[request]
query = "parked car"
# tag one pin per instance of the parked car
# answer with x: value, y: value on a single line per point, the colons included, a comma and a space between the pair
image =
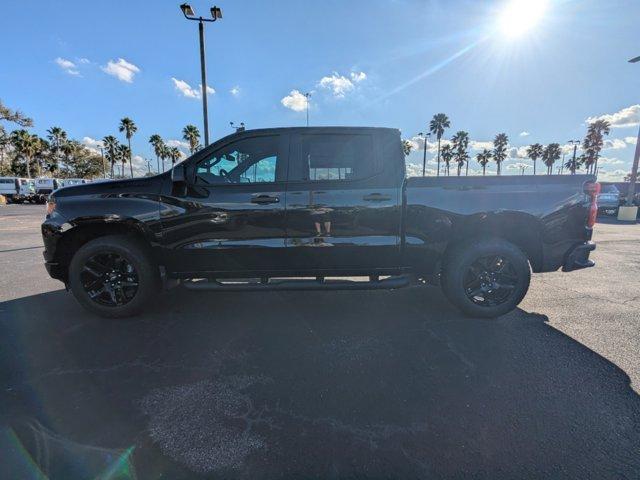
x: 276, y: 206
x: 609, y: 200
x: 16, y: 190
x: 45, y: 186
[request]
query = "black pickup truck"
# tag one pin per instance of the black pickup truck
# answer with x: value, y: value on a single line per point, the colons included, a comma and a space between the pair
x: 315, y: 208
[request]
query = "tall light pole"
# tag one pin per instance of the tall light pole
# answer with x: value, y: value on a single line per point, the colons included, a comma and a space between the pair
x: 425, y: 136
x: 575, y: 144
x: 240, y: 128
x: 189, y: 14
x: 636, y: 158
x: 104, y: 171
x: 307, y: 95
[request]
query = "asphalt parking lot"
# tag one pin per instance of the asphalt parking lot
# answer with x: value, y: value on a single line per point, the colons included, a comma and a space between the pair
x: 321, y: 384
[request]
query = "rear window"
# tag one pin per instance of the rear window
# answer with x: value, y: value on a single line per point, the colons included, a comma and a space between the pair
x: 609, y: 189
x: 337, y: 157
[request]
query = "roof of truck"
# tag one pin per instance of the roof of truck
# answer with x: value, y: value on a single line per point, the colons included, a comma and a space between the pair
x: 328, y: 129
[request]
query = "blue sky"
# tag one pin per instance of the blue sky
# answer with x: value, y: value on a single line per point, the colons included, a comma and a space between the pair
x: 84, y: 65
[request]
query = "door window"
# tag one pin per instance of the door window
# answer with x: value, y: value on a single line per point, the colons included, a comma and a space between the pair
x: 336, y: 157
x: 250, y: 160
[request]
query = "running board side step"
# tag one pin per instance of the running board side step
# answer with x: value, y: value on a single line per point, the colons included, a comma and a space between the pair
x: 389, y: 283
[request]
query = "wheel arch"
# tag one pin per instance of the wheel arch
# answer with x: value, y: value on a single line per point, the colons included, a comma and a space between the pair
x: 521, y: 229
x: 81, y: 233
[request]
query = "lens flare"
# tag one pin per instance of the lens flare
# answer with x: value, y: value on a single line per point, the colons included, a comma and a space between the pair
x: 520, y: 16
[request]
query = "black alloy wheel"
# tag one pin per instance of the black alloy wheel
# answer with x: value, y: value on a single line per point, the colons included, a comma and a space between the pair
x: 490, y: 281
x: 109, y: 279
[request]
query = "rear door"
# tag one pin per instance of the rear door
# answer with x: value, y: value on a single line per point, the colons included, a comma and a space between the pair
x: 232, y: 217
x: 343, y: 211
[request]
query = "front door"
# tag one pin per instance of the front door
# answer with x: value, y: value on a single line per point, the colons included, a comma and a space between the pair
x: 232, y: 217
x: 343, y: 209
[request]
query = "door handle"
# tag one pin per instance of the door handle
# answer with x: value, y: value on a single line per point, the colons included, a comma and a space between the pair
x: 376, y: 197
x: 264, y: 199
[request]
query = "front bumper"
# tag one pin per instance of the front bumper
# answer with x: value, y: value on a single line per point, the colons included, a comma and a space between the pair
x: 578, y: 257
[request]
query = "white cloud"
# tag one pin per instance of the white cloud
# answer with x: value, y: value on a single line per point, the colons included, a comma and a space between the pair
x: 415, y: 170
x: 614, y: 176
x: 121, y: 69
x: 177, y: 143
x: 627, y: 117
x: 476, y: 145
x: 295, y: 101
x: 524, y: 134
x: 609, y: 161
x: 184, y: 88
x: 235, y: 91
x: 338, y: 84
x: 432, y: 147
x: 518, y: 152
x: 614, y: 144
x: 92, y: 144
x: 358, y: 77
x: 518, y: 166
x: 631, y: 140
x: 189, y: 91
x: 67, y: 65
x: 84, y: 61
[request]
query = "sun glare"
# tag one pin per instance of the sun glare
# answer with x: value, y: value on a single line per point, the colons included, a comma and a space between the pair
x: 520, y: 16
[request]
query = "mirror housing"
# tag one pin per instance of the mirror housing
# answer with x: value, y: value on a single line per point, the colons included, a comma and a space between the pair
x: 179, y: 174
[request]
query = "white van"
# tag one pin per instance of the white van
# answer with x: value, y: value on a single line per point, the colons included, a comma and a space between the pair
x: 16, y: 190
x: 45, y: 185
x: 67, y: 182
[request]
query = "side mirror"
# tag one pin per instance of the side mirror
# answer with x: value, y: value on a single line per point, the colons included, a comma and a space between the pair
x: 179, y: 174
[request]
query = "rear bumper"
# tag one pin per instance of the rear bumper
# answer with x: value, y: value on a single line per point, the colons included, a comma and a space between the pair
x: 578, y: 257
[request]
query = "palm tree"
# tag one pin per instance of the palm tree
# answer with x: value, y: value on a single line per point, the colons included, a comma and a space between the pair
x: 174, y: 154
x: 158, y: 144
x: 593, y: 142
x: 534, y: 152
x: 460, y: 144
x: 124, y: 154
x: 110, y: 147
x: 129, y: 128
x: 437, y: 126
x: 484, y: 158
x: 57, y: 137
x: 164, y: 153
x: 447, y: 156
x: 192, y: 135
x: 500, y: 150
x: 550, y: 155
x: 407, y: 146
x: 26, y: 145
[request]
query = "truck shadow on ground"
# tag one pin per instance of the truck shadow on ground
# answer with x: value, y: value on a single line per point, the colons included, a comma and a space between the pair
x: 301, y: 384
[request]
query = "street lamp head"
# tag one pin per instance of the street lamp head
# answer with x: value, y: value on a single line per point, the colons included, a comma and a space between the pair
x: 216, y: 13
x: 187, y: 10
x: 634, y: 60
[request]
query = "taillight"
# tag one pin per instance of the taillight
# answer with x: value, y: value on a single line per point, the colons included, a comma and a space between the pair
x: 592, y: 189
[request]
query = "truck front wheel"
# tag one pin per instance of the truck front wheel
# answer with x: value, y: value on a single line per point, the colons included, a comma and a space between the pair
x: 113, y: 276
x: 486, y: 277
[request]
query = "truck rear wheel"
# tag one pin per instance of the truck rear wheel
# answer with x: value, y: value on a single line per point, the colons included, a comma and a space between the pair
x: 486, y: 278
x: 113, y: 276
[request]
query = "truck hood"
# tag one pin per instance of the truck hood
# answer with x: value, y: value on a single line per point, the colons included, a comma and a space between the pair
x: 130, y: 185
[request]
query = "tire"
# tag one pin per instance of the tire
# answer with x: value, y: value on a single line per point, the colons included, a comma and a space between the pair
x: 484, y: 264
x: 100, y: 252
